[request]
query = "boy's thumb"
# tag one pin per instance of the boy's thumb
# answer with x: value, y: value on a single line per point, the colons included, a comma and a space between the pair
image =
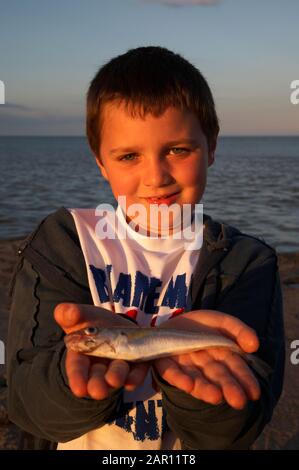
x: 67, y: 314
x: 72, y: 317
x: 248, y: 340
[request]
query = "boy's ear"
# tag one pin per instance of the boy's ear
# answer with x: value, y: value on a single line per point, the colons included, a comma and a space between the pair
x: 101, y: 167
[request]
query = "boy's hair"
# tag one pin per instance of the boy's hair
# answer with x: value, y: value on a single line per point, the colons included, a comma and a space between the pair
x: 149, y: 80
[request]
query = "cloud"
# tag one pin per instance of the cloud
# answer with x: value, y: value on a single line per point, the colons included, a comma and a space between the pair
x: 183, y: 3
x: 18, y: 119
x: 16, y: 106
x: 18, y: 110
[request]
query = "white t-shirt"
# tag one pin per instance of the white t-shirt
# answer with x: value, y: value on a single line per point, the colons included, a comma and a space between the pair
x: 147, y: 279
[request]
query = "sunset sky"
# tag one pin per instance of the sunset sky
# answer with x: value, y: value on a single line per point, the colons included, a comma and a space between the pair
x: 247, y: 49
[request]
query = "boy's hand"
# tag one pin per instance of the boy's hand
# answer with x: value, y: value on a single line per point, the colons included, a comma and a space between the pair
x: 214, y: 374
x: 92, y: 376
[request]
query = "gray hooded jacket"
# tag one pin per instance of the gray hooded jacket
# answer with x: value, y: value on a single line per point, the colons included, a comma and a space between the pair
x: 236, y: 274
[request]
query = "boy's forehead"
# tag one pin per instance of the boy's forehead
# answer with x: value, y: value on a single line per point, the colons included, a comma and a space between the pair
x: 122, y: 132
x: 119, y: 114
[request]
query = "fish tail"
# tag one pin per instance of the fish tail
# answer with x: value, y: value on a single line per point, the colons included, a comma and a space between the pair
x: 261, y: 367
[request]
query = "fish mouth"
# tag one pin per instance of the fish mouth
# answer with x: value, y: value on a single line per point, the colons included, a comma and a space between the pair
x: 79, y: 343
x: 71, y: 338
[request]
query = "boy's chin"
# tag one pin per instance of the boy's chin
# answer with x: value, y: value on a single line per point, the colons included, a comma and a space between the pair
x: 162, y: 224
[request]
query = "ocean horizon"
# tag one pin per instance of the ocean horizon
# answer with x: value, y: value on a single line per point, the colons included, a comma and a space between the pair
x: 252, y: 184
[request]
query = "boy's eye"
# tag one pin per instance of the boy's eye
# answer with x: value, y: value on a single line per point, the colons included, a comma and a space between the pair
x: 128, y: 157
x: 133, y: 156
x: 180, y: 149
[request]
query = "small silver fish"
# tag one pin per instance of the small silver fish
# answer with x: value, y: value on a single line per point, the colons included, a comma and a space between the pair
x: 144, y: 344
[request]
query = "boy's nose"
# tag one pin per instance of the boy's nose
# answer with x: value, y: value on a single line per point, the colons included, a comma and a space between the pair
x: 156, y: 174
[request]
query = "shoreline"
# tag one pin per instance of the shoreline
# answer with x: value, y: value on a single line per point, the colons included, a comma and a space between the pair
x: 283, y: 430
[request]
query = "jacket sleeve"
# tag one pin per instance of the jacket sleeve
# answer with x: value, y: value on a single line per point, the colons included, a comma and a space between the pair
x: 39, y: 398
x: 256, y: 299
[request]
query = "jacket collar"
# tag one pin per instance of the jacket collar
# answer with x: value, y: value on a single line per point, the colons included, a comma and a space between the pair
x: 217, y: 240
x: 216, y: 236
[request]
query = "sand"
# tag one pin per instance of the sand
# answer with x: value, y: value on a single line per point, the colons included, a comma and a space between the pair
x: 281, y: 433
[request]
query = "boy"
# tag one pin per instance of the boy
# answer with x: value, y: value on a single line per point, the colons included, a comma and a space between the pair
x: 152, y: 126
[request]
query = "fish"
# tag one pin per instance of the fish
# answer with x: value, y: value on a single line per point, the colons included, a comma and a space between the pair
x: 147, y: 344
x: 144, y: 344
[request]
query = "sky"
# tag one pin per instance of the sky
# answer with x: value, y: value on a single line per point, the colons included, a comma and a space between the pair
x: 50, y: 50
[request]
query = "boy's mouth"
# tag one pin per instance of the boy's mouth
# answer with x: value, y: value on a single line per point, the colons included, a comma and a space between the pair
x: 165, y: 199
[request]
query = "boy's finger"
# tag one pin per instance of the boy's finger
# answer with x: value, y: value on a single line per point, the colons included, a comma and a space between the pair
x: 236, y: 365
x: 97, y: 387
x: 245, y: 377
x: 248, y: 340
x: 228, y: 324
x: 117, y: 373
x: 171, y: 372
x: 245, y: 336
x: 72, y: 316
x: 77, y: 370
x: 136, y: 376
x: 205, y: 390
x: 68, y: 315
x: 231, y: 388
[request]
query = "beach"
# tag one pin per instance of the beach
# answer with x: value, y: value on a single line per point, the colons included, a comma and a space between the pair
x: 283, y: 430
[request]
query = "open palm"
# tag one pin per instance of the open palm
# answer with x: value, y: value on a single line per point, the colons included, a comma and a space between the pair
x: 216, y: 374
x: 93, y: 376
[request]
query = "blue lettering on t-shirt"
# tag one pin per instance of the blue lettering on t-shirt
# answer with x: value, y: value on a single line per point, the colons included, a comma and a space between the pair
x: 123, y: 419
x: 108, y: 271
x: 100, y: 282
x: 145, y: 423
x: 144, y: 292
x: 175, y: 295
x: 123, y: 289
x: 152, y: 296
x: 141, y: 290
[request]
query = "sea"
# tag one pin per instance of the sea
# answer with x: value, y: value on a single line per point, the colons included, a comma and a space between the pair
x: 252, y: 185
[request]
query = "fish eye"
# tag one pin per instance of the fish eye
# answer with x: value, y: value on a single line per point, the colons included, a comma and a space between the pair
x: 90, y: 330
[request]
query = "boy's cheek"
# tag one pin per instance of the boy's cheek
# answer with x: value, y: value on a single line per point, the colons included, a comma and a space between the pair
x: 122, y: 182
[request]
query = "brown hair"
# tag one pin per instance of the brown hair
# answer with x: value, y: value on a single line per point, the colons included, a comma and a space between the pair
x: 149, y: 80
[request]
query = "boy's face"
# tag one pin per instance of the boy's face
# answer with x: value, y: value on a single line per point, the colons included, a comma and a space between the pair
x: 144, y: 159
